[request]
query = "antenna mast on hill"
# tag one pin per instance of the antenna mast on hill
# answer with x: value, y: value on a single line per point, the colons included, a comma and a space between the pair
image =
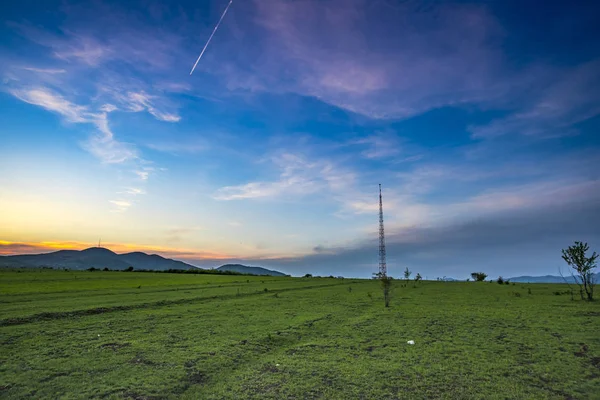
x: 99, y: 240
x: 382, y: 263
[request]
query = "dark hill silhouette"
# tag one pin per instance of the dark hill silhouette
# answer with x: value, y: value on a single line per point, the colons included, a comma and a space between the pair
x: 244, y: 269
x: 94, y: 257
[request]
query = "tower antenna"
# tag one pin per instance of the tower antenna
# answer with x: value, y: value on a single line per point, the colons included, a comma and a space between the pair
x: 382, y: 263
x: 99, y: 241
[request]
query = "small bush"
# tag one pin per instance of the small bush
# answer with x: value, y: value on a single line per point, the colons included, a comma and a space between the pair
x: 528, y: 290
x: 266, y: 290
x: 478, y: 276
x: 500, y: 280
x: 506, y: 282
x: 517, y: 294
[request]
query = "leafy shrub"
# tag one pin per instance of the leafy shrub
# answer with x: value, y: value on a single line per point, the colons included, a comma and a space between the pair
x: 478, y: 276
x: 500, y: 280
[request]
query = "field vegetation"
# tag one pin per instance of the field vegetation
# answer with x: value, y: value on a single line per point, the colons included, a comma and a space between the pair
x: 116, y: 335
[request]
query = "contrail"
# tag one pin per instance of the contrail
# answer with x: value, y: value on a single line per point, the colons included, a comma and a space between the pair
x: 211, y: 36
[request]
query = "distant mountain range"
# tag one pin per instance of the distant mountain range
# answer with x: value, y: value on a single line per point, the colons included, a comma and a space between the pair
x: 243, y: 269
x: 547, y: 279
x: 94, y: 257
x: 100, y: 258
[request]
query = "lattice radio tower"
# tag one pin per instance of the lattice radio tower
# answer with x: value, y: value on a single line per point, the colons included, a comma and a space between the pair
x: 382, y: 264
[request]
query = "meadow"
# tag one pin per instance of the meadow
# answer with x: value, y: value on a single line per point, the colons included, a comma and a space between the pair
x: 128, y: 335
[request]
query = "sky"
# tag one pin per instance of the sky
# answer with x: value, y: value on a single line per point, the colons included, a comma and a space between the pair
x: 480, y: 120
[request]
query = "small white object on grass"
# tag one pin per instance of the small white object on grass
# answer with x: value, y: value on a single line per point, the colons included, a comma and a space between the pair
x: 411, y: 342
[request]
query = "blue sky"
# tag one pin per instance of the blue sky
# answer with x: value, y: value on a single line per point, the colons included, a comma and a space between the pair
x: 480, y: 120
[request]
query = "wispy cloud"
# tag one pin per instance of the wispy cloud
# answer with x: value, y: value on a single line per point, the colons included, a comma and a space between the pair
x: 572, y: 97
x: 380, y: 145
x: 135, y: 191
x: 140, y: 101
x: 103, y: 145
x: 121, y: 205
x: 336, y: 52
x: 142, y: 174
x: 46, y: 70
x: 298, y: 177
x: 54, y: 102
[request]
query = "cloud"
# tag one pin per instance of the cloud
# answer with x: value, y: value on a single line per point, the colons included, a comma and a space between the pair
x: 45, y: 70
x: 189, y: 255
x: 103, y: 145
x: 140, y: 101
x: 379, y: 146
x: 506, y: 243
x: 82, y: 49
x: 572, y: 96
x: 135, y: 191
x: 54, y: 102
x: 121, y: 205
x: 373, y: 59
x: 298, y: 177
x: 143, y: 175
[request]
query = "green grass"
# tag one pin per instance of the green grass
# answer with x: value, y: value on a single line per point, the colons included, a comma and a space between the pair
x: 144, y: 336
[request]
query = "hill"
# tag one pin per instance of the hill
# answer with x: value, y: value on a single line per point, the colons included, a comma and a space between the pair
x: 244, y: 269
x: 547, y: 279
x: 94, y: 257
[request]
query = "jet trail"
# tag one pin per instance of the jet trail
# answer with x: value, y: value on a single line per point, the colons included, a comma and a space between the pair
x: 211, y: 36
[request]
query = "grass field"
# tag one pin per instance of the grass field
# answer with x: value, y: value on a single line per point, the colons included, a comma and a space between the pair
x: 118, y: 335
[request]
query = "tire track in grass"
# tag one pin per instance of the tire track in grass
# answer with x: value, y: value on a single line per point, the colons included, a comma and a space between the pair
x: 46, y: 316
x: 126, y: 290
x: 280, y: 342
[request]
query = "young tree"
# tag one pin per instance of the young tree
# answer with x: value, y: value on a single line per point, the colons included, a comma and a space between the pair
x: 407, y: 273
x: 386, y: 286
x: 478, y: 276
x: 500, y: 280
x: 418, y: 277
x: 584, y: 266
